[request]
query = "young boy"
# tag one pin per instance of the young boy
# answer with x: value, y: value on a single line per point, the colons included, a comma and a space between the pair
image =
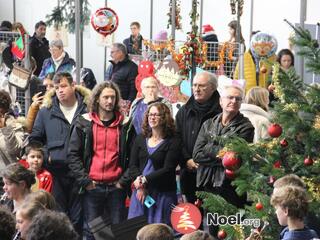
x: 291, y: 204
x: 34, y: 159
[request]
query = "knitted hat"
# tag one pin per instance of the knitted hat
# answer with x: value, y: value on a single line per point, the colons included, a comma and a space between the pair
x: 207, y: 28
x: 162, y: 35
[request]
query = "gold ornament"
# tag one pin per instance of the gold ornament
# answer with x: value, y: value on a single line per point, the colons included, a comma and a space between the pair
x: 313, y: 187
x: 317, y: 121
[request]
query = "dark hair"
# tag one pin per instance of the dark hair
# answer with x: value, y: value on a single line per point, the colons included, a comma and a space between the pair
x: 7, y: 224
x: 60, y: 75
x: 283, y: 52
x: 93, y: 105
x: 233, y: 25
x: 51, y: 225
x: 136, y: 24
x: 15, y: 172
x: 40, y: 23
x: 35, y: 146
x: 166, y: 121
x: 49, y: 76
x: 5, y: 100
x: 6, y: 26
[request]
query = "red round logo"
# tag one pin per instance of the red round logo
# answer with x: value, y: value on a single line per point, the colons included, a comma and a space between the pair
x: 185, y: 218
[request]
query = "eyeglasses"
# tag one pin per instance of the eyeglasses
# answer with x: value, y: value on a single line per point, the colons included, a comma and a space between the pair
x: 236, y: 98
x: 154, y: 115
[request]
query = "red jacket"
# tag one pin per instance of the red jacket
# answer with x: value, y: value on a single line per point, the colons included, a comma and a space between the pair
x: 44, y: 178
x: 106, y: 144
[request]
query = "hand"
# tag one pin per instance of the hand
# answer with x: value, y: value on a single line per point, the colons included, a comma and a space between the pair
x: 91, y: 186
x: 37, y: 99
x: 191, y: 165
x: 137, y: 183
x: 141, y: 195
x: 118, y: 185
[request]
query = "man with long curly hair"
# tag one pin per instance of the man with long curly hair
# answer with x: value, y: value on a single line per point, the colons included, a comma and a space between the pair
x: 94, y: 156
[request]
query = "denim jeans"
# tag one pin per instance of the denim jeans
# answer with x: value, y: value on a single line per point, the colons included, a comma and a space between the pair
x: 104, y: 200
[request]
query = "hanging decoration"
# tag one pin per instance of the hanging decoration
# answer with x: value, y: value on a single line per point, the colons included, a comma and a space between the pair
x: 233, y: 5
x: 178, y: 17
x: 64, y: 15
x: 105, y: 21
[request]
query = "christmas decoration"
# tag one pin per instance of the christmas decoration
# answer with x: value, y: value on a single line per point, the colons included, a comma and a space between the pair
x: 284, y: 143
x: 308, y: 161
x: 178, y: 17
x: 230, y: 174
x: 274, y: 130
x: 198, y: 203
x: 222, y: 234
x: 105, y: 21
x: 64, y: 14
x: 259, y: 206
x: 145, y: 69
x: 263, y: 45
x: 296, y: 116
x: 230, y: 161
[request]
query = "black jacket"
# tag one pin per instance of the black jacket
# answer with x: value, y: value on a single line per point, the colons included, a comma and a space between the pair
x: 164, y: 160
x: 211, y: 171
x: 189, y: 122
x: 39, y: 50
x: 52, y: 129
x: 81, y: 146
x: 124, y: 75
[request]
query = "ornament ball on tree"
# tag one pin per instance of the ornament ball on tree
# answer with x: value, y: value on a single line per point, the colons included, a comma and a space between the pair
x: 259, y: 206
x: 275, y: 130
x: 271, y: 180
x: 231, y: 161
x: 230, y: 174
x: 308, y: 161
x: 198, y: 203
x: 222, y: 234
x: 284, y: 143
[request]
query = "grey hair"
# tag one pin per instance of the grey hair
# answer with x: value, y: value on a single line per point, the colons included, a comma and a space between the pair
x: 226, y: 88
x: 121, y: 47
x: 212, y: 78
x: 56, y: 43
x: 149, y: 80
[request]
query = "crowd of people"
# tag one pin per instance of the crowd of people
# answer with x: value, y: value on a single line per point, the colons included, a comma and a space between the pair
x: 79, y: 154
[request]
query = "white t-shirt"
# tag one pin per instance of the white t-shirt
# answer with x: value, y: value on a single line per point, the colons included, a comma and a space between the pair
x: 69, y: 112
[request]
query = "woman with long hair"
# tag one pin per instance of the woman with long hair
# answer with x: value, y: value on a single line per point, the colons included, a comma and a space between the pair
x: 153, y: 161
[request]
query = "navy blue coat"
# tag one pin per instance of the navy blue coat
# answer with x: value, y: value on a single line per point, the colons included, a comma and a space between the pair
x: 53, y: 130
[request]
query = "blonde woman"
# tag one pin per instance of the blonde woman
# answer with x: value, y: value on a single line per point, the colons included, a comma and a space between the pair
x: 256, y: 109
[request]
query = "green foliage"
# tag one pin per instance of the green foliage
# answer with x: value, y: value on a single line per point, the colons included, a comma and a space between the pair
x: 64, y: 14
x: 297, y: 111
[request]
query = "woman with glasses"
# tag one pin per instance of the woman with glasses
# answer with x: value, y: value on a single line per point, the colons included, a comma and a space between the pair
x: 59, y: 60
x: 154, y: 158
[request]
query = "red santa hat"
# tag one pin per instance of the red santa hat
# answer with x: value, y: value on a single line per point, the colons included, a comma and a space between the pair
x: 207, y: 28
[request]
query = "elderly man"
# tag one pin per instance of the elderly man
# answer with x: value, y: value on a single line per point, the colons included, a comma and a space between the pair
x: 202, y: 105
x: 123, y: 72
x: 230, y: 123
x: 58, y: 62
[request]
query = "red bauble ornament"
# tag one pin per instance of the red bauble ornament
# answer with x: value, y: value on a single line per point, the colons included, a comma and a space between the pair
x: 230, y: 161
x: 275, y: 130
x: 284, y: 143
x: 259, y: 206
x: 222, y: 234
x: 198, y: 203
x: 230, y: 174
x: 277, y: 164
x: 308, y: 161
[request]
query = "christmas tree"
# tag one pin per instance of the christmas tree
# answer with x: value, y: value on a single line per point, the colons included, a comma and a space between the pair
x: 293, y: 147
